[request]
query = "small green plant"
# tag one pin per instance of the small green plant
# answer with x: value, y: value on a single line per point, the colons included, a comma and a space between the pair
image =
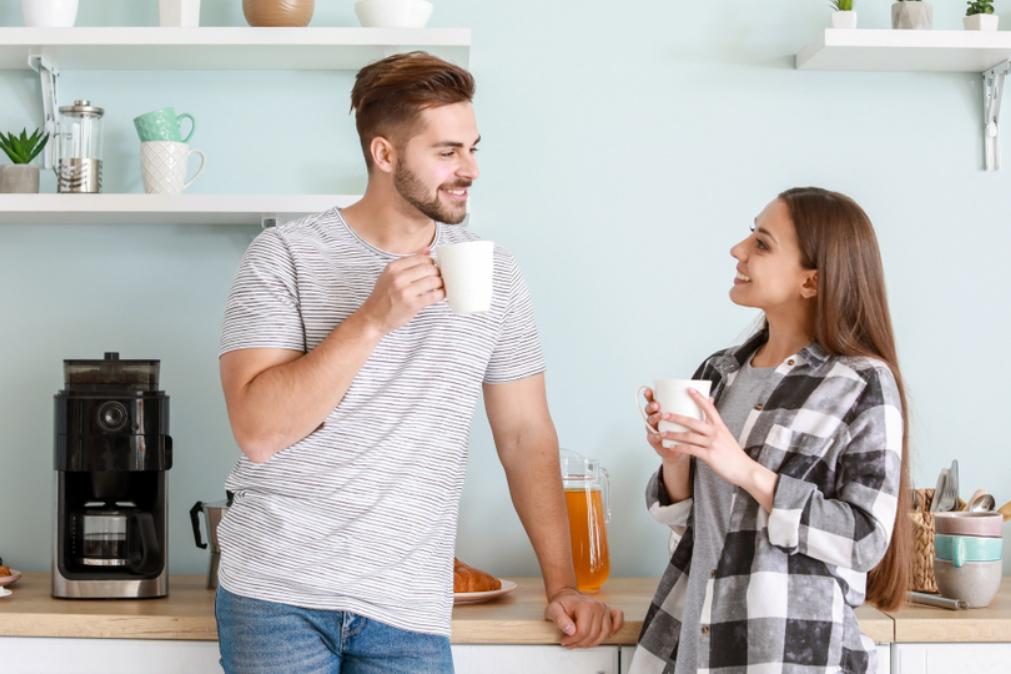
x: 842, y: 5
x: 24, y: 148
x: 979, y: 7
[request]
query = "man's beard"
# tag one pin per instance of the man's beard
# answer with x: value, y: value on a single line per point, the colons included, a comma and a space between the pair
x: 413, y: 191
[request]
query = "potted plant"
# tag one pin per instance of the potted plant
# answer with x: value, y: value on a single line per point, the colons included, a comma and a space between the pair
x: 980, y: 16
x: 844, y: 16
x: 20, y: 177
x: 912, y: 14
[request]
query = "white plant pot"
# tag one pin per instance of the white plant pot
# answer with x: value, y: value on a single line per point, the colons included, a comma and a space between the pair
x: 393, y: 13
x: 844, y: 19
x: 49, y: 13
x: 912, y: 15
x: 185, y: 13
x: 986, y: 22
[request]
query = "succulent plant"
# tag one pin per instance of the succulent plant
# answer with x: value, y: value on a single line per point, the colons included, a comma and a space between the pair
x: 979, y: 7
x: 842, y: 5
x: 24, y: 148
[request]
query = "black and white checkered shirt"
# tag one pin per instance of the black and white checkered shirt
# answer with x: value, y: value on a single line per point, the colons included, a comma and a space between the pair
x: 782, y: 595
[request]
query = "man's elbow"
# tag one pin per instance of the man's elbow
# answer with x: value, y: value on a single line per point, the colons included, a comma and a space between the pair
x: 257, y: 444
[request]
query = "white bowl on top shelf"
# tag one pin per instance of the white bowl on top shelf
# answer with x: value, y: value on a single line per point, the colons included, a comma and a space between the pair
x: 393, y: 13
x: 49, y: 13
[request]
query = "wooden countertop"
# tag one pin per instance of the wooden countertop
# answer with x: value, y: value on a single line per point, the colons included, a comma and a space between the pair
x: 188, y: 613
x: 926, y: 624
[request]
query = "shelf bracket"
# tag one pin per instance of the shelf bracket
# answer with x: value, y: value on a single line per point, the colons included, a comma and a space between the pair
x: 993, y: 92
x: 49, y: 77
x: 268, y: 220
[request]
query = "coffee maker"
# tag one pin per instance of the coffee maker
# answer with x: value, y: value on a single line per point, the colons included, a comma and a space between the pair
x: 112, y: 450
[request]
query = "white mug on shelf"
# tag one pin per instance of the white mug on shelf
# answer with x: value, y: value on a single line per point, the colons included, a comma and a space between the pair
x: 49, y: 13
x: 164, y: 165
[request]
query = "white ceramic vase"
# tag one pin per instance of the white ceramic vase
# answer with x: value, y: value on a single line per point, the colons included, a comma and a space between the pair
x: 49, y: 13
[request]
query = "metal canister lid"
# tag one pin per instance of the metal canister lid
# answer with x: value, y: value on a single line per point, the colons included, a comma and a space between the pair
x: 83, y: 106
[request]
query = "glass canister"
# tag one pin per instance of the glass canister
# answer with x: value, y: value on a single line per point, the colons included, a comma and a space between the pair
x: 586, y: 485
x: 79, y: 166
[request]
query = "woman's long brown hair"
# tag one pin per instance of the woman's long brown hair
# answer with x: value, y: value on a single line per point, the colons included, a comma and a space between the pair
x: 851, y: 318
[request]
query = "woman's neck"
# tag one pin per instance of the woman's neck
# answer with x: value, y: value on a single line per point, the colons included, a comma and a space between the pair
x: 787, y: 336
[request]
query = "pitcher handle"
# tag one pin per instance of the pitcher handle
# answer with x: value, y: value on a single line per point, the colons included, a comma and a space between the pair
x: 195, y: 521
x: 607, y: 494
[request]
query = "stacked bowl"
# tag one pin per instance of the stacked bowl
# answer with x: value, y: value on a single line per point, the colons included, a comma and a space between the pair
x: 968, y: 549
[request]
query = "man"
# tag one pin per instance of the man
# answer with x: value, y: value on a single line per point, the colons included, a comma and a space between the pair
x: 350, y: 387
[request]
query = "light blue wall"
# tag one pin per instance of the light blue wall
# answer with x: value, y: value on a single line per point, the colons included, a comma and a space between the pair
x: 626, y: 147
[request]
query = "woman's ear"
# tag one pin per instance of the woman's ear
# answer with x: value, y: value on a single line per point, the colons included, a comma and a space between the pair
x: 383, y: 154
x: 810, y: 286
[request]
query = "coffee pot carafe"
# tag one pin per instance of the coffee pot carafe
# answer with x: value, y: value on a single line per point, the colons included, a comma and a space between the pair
x: 213, y: 512
x: 587, y: 486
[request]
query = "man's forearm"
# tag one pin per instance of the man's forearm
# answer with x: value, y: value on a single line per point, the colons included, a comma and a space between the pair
x: 535, y: 484
x: 287, y: 402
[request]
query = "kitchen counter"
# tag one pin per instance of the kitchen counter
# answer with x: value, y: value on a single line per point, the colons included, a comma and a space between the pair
x: 517, y: 618
x: 925, y: 624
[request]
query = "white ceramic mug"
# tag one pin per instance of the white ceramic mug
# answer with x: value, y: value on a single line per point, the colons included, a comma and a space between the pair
x: 164, y: 165
x: 673, y: 397
x: 467, y: 272
x: 184, y: 13
x: 49, y: 13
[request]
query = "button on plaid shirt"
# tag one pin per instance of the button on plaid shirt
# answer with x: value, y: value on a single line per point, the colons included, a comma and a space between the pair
x: 782, y: 595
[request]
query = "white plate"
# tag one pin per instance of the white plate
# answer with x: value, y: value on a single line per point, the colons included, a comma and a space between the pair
x: 478, y: 597
x: 4, y: 592
x: 11, y: 579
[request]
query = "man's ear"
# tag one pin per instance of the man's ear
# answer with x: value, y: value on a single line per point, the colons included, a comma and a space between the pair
x: 383, y: 154
x: 809, y: 288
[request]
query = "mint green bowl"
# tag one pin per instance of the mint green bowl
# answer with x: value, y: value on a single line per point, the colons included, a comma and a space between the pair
x: 961, y: 549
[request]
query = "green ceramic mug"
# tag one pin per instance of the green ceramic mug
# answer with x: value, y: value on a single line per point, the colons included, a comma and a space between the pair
x: 163, y: 125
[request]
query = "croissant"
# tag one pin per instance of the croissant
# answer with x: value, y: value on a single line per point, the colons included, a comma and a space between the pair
x: 5, y: 570
x: 468, y: 579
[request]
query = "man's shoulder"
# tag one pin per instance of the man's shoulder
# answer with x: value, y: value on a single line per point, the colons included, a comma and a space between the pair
x: 318, y: 226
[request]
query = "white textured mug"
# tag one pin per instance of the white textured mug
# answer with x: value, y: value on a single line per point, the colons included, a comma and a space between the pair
x: 164, y: 164
x: 673, y: 397
x: 467, y: 273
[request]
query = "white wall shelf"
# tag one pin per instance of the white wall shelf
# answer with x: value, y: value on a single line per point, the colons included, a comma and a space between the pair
x: 231, y: 48
x: 987, y: 53
x: 162, y: 209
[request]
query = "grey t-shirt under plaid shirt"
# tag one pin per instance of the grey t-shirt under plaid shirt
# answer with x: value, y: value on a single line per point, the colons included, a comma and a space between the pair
x: 783, y: 593
x: 361, y: 514
x: 713, y: 498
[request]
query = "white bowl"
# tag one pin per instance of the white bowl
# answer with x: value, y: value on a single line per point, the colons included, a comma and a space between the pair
x: 393, y: 13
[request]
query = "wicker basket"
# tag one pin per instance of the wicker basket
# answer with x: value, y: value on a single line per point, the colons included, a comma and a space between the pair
x: 922, y: 576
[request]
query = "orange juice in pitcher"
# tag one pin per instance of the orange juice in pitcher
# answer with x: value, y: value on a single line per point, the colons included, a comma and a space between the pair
x: 586, y: 499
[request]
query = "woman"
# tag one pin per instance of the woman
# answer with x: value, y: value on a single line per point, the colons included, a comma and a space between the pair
x: 783, y: 501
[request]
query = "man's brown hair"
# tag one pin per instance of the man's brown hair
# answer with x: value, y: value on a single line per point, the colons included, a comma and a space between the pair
x: 389, y: 95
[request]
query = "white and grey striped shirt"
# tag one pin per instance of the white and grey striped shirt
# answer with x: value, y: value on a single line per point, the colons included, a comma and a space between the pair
x: 361, y: 515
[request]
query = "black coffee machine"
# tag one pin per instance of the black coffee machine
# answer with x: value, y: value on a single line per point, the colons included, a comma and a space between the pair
x: 112, y: 451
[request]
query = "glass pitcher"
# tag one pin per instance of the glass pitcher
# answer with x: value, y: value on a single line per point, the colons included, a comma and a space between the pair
x: 586, y: 485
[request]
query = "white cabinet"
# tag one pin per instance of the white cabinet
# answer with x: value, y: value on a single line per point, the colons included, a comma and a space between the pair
x: 949, y: 658
x: 480, y: 659
x: 884, y: 658
x: 44, y: 655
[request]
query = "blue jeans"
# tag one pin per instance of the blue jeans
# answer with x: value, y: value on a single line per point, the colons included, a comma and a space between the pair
x: 264, y: 637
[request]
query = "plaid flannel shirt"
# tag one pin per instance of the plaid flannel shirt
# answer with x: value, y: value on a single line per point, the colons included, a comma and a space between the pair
x: 782, y: 595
